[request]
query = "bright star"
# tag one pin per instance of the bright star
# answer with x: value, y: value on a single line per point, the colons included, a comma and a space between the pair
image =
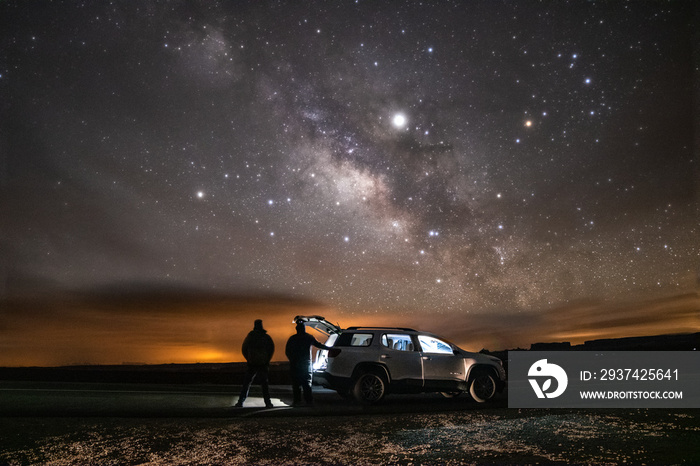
x: 399, y: 120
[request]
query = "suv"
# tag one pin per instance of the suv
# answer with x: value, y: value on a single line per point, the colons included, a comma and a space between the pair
x: 369, y: 362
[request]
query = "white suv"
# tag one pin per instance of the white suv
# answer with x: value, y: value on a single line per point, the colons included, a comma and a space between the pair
x: 369, y: 362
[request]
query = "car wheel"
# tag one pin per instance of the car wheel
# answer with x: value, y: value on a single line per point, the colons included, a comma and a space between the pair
x: 483, y: 387
x: 451, y: 394
x: 369, y: 388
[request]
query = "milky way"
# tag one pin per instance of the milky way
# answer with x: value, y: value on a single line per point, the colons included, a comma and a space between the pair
x: 375, y: 156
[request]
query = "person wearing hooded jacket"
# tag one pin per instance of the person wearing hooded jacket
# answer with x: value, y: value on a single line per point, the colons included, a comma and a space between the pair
x: 257, y: 349
x: 298, y: 351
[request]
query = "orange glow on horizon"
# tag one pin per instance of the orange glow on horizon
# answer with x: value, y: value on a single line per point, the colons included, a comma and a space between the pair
x: 212, y: 331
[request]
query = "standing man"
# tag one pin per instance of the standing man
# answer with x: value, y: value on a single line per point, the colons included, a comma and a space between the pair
x: 298, y: 352
x: 257, y: 349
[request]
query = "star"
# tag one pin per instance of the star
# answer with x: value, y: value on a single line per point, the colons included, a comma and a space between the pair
x: 399, y: 120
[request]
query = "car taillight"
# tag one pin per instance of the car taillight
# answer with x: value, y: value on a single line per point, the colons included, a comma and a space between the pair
x: 333, y: 352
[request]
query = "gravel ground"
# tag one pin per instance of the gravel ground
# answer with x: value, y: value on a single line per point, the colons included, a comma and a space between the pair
x: 498, y: 435
x: 96, y: 424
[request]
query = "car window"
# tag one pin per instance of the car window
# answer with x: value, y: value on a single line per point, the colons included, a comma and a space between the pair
x: 434, y: 345
x: 361, y: 339
x: 354, y: 339
x: 397, y: 341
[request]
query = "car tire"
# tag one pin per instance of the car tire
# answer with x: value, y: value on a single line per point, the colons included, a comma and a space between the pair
x: 482, y: 387
x: 369, y: 388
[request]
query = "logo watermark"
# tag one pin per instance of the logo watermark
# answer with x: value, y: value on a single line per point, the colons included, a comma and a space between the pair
x: 614, y: 379
x: 542, y: 369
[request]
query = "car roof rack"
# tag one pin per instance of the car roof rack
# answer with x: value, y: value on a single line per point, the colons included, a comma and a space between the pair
x: 405, y: 329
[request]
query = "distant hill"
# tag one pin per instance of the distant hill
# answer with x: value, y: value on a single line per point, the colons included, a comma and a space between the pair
x: 677, y: 342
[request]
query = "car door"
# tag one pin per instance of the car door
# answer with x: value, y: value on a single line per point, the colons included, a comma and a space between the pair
x: 439, y: 360
x: 399, y: 354
x: 326, y: 328
x: 318, y: 323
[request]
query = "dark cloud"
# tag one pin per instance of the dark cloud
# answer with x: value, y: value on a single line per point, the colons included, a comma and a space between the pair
x: 147, y: 324
x: 155, y: 324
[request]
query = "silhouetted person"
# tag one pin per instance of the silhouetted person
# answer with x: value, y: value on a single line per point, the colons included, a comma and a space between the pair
x: 298, y: 352
x: 258, y: 349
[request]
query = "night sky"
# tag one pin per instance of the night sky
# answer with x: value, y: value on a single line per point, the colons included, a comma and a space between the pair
x: 444, y: 162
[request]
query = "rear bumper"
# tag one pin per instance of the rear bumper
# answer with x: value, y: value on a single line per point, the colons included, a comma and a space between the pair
x: 326, y: 380
x: 320, y: 378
